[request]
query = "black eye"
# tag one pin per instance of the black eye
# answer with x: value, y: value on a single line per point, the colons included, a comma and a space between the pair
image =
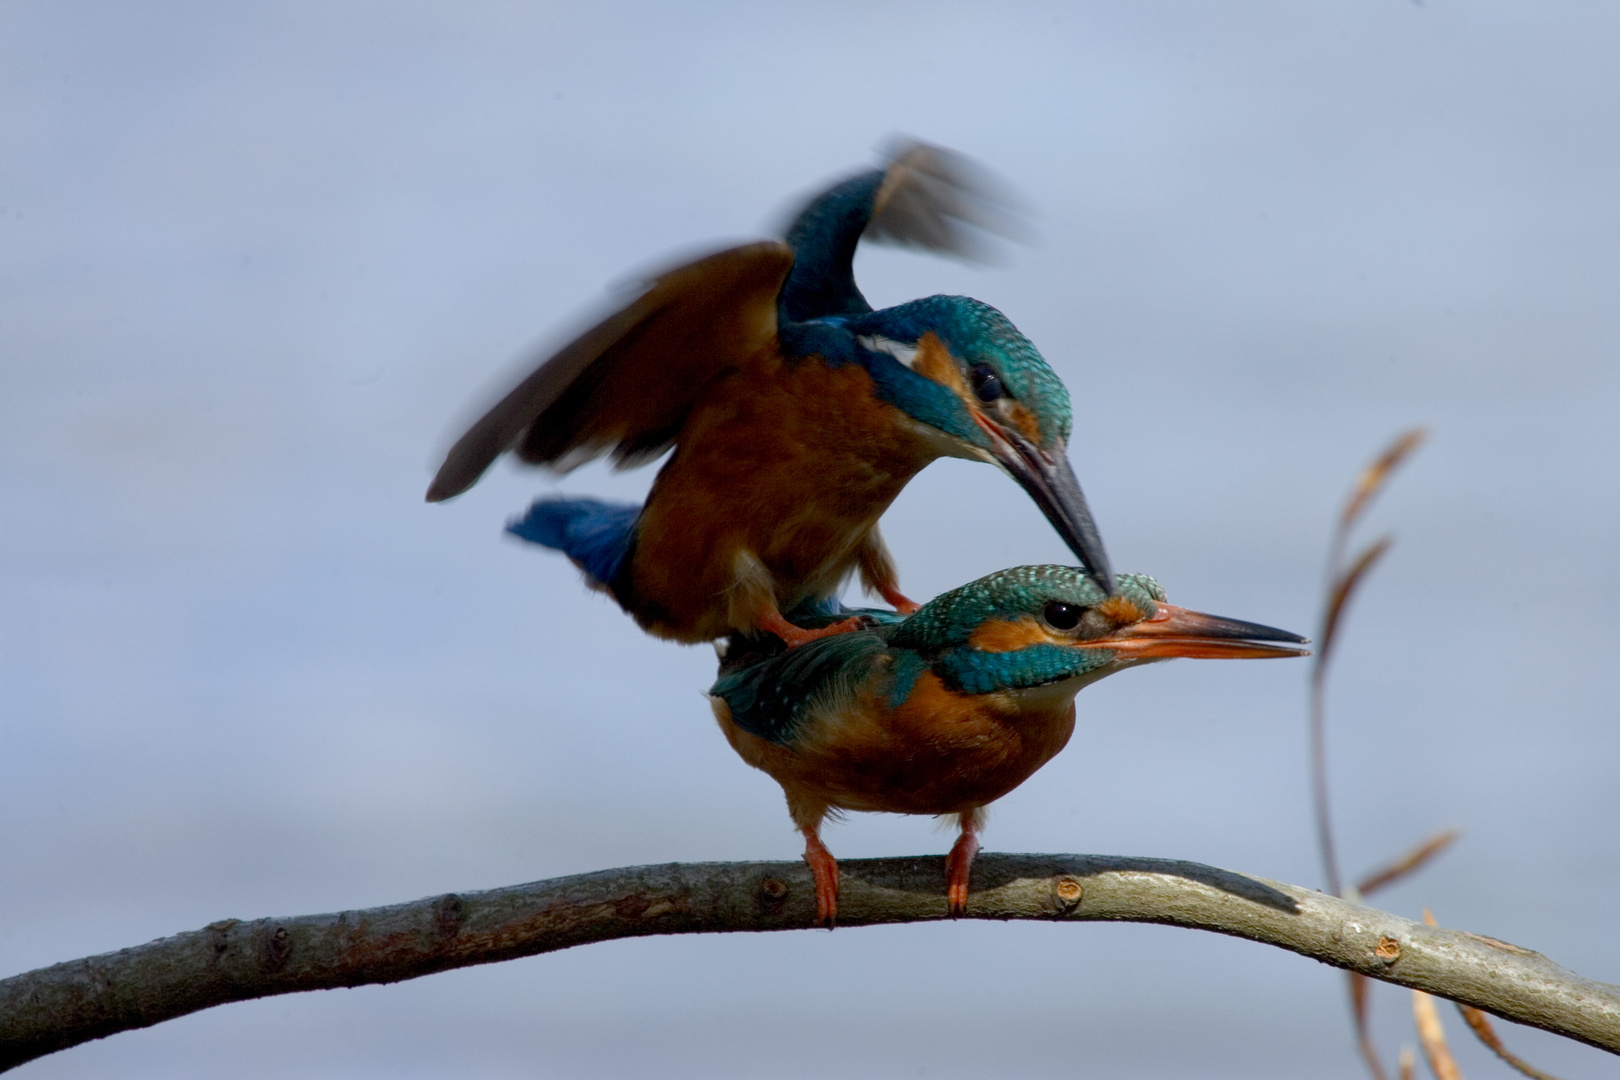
x: 1061, y: 616
x: 985, y: 383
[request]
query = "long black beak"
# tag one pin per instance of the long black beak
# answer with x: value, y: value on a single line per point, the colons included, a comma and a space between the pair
x: 1050, y: 481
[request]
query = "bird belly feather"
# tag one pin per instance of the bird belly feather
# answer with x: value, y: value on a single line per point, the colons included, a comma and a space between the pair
x: 773, y: 492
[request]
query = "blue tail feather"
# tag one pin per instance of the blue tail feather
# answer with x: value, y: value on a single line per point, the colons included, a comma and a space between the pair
x: 595, y: 534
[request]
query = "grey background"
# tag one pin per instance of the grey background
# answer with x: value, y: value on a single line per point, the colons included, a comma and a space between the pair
x: 256, y: 263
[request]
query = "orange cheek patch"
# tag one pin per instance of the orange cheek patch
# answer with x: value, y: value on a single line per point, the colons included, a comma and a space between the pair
x: 1010, y: 635
x: 934, y: 361
x: 1024, y: 420
x: 1121, y: 610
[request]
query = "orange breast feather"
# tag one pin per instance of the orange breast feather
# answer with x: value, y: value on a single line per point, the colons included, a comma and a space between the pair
x: 938, y: 753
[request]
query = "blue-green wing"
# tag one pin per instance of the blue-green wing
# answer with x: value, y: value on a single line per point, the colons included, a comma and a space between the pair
x: 774, y: 697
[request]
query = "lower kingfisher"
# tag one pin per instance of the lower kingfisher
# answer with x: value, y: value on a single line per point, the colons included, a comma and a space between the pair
x: 796, y: 414
x: 949, y: 709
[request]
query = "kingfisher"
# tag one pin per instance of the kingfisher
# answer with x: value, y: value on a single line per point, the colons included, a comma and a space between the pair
x: 796, y: 414
x: 946, y: 710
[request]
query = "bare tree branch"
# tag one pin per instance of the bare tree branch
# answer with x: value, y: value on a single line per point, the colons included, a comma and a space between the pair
x: 1480, y: 1025
x: 57, y: 1007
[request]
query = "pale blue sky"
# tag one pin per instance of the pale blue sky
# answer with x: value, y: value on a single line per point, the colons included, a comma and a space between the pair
x: 256, y: 262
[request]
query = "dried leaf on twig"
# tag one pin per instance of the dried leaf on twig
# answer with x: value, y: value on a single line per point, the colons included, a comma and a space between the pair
x: 1343, y: 588
x: 1413, y: 860
x: 1433, y: 1038
x: 1480, y: 1025
x: 1372, y: 478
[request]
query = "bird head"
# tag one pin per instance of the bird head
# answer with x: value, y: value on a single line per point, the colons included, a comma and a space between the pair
x: 980, y: 390
x: 1037, y: 626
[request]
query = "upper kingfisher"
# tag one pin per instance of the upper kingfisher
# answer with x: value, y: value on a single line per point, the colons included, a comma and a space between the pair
x: 949, y: 709
x: 796, y: 413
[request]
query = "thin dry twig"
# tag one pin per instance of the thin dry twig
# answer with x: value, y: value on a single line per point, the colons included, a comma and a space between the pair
x: 1368, y: 485
x: 1359, y: 991
x: 1408, y: 1063
x: 1343, y: 587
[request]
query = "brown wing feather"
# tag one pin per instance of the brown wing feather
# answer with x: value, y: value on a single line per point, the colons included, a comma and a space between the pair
x: 627, y: 384
x: 942, y: 201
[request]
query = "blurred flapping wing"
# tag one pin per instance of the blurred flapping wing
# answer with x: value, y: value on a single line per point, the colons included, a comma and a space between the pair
x: 626, y: 385
x: 942, y: 201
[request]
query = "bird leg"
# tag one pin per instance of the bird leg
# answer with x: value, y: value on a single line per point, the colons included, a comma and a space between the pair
x: 878, y: 574
x: 959, y: 863
x: 793, y: 636
x: 898, y: 600
x: 752, y: 600
x: 825, y: 870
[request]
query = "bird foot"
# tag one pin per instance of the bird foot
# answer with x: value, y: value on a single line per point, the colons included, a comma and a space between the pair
x: 794, y: 636
x: 898, y: 600
x: 958, y: 865
x: 824, y: 868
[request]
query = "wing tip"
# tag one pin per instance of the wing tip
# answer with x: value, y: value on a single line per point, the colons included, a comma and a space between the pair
x: 450, y: 482
x: 945, y: 201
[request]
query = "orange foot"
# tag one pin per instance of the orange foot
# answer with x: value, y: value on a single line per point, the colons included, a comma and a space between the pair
x: 795, y: 636
x: 958, y: 865
x: 825, y: 870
